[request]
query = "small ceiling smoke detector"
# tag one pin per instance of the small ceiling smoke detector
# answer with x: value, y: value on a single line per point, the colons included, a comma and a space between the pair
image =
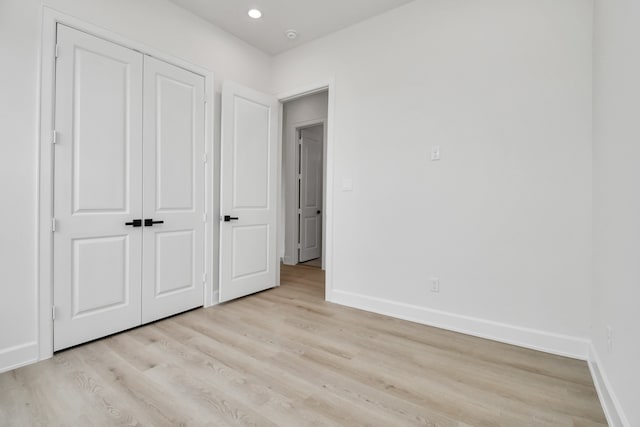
x: 255, y: 14
x: 291, y: 34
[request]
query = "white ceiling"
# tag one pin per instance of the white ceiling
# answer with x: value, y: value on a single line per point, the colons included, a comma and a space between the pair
x: 311, y: 18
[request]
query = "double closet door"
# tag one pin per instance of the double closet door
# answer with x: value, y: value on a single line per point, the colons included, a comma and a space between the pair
x: 129, y: 189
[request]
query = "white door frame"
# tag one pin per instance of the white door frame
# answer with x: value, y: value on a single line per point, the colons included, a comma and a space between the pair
x: 329, y: 86
x: 44, y: 193
x: 292, y: 230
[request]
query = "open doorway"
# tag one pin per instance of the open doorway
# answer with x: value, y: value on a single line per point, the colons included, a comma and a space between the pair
x: 304, y: 180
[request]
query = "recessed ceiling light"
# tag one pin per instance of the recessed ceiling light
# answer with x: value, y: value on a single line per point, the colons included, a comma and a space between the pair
x: 255, y: 13
x: 291, y: 34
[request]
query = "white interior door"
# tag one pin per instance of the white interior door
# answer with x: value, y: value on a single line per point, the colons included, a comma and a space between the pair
x: 248, y: 258
x: 310, y: 208
x: 174, y: 190
x: 98, y: 188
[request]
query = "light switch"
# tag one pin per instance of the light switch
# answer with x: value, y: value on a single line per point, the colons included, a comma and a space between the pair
x: 435, y: 153
x: 347, y: 184
x: 435, y: 284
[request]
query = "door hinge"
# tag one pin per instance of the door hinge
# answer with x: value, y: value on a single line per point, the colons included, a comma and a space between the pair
x: 300, y: 176
x: 204, y: 217
x: 53, y: 312
x: 53, y: 225
x: 299, y: 245
x: 54, y: 136
x: 300, y: 211
x: 205, y: 158
x: 57, y: 52
x: 204, y: 277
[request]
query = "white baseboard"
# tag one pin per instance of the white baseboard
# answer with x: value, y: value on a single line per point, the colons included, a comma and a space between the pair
x: 289, y: 260
x: 17, y: 356
x: 610, y: 404
x: 548, y: 342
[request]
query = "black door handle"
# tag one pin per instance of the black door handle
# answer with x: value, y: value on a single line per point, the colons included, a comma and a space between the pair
x: 148, y: 222
x: 134, y: 223
x: 228, y: 218
x: 318, y: 212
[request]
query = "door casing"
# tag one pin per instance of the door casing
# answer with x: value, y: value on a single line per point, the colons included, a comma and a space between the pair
x: 327, y: 232
x: 296, y: 230
x: 302, y: 212
x: 50, y: 19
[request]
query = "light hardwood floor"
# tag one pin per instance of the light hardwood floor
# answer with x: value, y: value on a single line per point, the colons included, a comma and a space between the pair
x: 285, y: 357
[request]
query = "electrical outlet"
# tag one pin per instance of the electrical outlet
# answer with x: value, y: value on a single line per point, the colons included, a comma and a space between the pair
x: 609, y: 338
x: 435, y: 284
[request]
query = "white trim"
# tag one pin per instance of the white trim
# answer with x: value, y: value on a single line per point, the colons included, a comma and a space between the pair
x: 292, y: 229
x: 280, y: 219
x: 279, y: 189
x: 330, y: 87
x: 305, y: 91
x: 610, y: 403
x: 17, y: 356
x: 50, y: 19
x: 562, y: 345
x: 211, y: 225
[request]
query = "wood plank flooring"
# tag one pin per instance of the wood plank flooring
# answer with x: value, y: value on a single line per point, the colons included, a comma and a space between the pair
x: 285, y: 357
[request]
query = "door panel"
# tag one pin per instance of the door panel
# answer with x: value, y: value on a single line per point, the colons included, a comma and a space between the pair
x: 248, y: 258
x: 311, y: 153
x: 174, y: 262
x: 97, y: 188
x: 99, y: 157
x: 174, y: 185
x: 176, y: 139
x: 251, y: 172
x: 250, y: 251
x: 310, y: 231
x: 100, y: 274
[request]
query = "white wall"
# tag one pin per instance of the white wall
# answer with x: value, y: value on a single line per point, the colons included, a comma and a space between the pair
x: 19, y: 42
x: 299, y: 112
x: 504, y: 219
x: 617, y: 205
x: 156, y: 23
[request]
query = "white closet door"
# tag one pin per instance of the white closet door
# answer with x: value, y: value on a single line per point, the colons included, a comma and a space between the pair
x: 174, y: 190
x: 97, y: 188
x: 248, y: 192
x: 311, y: 193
